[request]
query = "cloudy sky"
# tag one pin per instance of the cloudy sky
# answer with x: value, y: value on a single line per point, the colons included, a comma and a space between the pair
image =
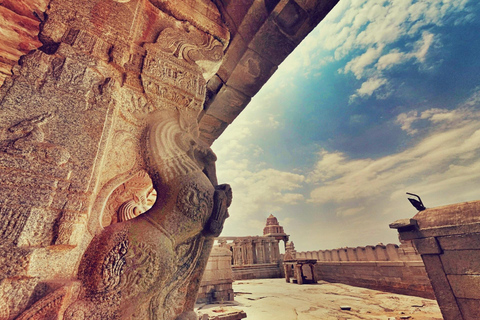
x: 382, y: 98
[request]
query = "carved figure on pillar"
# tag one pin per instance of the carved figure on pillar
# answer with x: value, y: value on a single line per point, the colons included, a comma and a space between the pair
x: 150, y: 267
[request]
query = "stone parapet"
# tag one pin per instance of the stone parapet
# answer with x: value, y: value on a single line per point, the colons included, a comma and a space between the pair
x: 390, y: 252
x: 391, y: 268
x: 400, y: 277
x: 448, y: 239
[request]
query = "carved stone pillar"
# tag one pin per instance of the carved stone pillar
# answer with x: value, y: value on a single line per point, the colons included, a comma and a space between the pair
x: 237, y: 253
x: 260, y: 245
x: 248, y: 251
x: 79, y: 118
x: 286, y: 269
x: 275, y: 251
x: 299, y: 273
x: 268, y: 251
x: 314, y: 277
x: 254, y: 251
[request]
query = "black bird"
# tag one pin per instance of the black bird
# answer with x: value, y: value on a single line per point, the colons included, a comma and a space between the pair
x: 418, y: 204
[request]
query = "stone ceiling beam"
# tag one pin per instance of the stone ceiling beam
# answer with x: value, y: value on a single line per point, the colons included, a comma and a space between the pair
x: 263, y: 34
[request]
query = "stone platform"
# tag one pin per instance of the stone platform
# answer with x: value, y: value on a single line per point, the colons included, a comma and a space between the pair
x: 275, y: 299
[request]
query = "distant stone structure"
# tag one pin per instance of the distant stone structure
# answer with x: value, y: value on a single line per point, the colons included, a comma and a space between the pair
x: 300, y: 271
x: 273, y: 229
x: 448, y: 240
x: 391, y: 268
x: 257, y: 257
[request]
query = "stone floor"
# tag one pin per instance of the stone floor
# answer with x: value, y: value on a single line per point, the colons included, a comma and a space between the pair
x: 269, y: 299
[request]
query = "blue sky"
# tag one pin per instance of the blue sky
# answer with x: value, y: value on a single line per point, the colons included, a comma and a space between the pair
x: 382, y: 98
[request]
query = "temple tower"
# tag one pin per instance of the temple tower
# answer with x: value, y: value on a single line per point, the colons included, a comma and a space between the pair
x: 275, y: 230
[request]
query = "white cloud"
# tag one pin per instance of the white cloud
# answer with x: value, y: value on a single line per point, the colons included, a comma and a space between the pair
x: 369, y: 86
x: 258, y: 189
x: 390, y: 59
x: 362, y: 30
x: 451, y: 150
x: 423, y: 45
x: 358, y: 64
x: 258, y: 193
x: 406, y: 121
x: 442, y: 118
x: 347, y: 212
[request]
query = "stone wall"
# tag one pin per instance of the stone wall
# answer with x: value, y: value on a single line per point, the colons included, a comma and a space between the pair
x: 257, y: 271
x: 390, y: 268
x: 448, y: 239
x: 217, y: 280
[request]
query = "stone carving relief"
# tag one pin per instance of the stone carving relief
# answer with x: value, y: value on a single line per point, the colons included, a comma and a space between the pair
x: 27, y: 139
x: 130, y: 199
x: 34, y: 169
x: 176, y: 67
x: 13, y: 221
x: 146, y: 267
x: 53, y: 304
x: 110, y: 85
x: 192, y: 46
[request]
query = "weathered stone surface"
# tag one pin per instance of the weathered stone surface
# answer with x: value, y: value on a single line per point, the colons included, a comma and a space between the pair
x: 19, y: 22
x: 211, y: 128
x: 451, y: 215
x: 441, y: 286
x: 388, y: 268
x: 226, y: 107
x: 54, y: 304
x: 465, y: 286
x: 202, y: 14
x: 114, y: 94
x: 463, y: 262
x: 15, y: 294
x: 250, y: 73
x: 460, y: 242
x: 281, y: 300
x: 217, y: 279
x: 235, y: 51
x: 427, y: 246
x: 447, y: 238
x: 470, y: 308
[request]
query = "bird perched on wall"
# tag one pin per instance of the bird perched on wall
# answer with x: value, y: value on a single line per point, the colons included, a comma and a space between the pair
x: 418, y: 204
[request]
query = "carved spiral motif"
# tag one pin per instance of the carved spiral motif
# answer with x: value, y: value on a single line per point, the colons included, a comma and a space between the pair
x: 141, y: 271
x: 128, y: 210
x: 113, y: 266
x: 194, y: 202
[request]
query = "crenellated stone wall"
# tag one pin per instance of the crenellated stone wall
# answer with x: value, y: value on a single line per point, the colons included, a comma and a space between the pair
x: 390, y: 268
